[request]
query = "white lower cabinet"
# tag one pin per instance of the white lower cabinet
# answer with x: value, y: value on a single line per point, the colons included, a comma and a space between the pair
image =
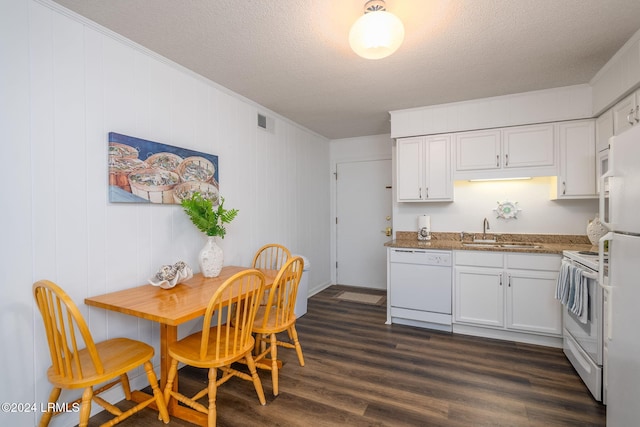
x: 510, y: 294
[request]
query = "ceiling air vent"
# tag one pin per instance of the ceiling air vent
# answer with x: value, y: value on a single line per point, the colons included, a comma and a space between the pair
x: 266, y: 123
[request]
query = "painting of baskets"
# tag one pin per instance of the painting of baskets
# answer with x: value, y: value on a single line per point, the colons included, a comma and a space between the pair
x: 166, y: 161
x: 142, y: 171
x: 155, y: 185
x: 196, y: 169
x: 120, y: 168
x: 186, y: 190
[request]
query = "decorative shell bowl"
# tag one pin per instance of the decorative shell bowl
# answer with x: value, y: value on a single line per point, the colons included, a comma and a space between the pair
x: 170, y: 275
x: 595, y: 230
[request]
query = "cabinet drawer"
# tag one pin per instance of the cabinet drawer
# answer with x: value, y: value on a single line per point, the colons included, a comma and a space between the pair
x: 479, y: 259
x: 541, y: 262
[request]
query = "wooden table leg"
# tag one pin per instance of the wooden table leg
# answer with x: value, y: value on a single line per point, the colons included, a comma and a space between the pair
x: 168, y: 336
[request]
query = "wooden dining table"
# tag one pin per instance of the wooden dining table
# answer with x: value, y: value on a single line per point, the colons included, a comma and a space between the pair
x: 171, y: 307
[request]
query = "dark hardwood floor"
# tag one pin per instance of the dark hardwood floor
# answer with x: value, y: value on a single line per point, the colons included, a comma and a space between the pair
x: 361, y: 372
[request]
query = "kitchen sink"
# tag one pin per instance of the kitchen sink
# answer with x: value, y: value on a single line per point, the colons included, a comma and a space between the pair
x: 520, y: 245
x: 514, y: 245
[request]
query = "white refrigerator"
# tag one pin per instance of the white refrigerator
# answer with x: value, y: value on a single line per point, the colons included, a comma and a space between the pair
x: 621, y: 214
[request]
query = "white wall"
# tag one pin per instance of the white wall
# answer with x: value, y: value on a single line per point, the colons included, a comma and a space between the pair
x: 66, y: 83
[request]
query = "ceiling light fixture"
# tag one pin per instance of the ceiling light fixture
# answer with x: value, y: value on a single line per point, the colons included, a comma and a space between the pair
x: 377, y: 33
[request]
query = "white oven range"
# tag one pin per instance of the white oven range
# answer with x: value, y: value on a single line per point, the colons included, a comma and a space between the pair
x: 583, y: 342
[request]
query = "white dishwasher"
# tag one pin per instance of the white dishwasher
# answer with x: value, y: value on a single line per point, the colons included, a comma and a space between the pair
x: 419, y: 288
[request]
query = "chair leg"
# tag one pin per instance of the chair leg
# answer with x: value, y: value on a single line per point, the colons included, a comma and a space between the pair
x: 213, y: 389
x: 53, y: 398
x: 256, y: 379
x: 274, y: 363
x: 124, y: 380
x: 85, y: 407
x: 153, y: 382
x: 171, y: 376
x: 294, y: 334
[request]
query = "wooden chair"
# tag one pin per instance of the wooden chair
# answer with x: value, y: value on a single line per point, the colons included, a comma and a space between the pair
x: 271, y: 257
x: 96, y: 363
x: 278, y: 316
x: 233, y: 308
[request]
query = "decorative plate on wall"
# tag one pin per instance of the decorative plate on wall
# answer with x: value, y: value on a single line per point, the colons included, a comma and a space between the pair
x: 507, y: 210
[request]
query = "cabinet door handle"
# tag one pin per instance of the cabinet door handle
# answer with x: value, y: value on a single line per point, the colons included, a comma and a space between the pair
x: 427, y: 195
x: 500, y: 279
x: 637, y: 115
x: 497, y: 160
x: 564, y: 188
x: 509, y: 280
x: 506, y: 159
x: 420, y: 193
x: 630, y: 116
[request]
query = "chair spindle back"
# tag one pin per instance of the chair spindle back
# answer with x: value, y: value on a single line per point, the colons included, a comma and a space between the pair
x: 280, y: 306
x: 233, y: 308
x: 271, y: 257
x: 64, y: 325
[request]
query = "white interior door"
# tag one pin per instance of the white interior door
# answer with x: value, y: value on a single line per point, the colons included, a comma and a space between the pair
x: 364, y: 212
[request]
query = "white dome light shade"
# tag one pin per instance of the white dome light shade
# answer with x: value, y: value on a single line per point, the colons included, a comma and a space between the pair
x: 376, y: 34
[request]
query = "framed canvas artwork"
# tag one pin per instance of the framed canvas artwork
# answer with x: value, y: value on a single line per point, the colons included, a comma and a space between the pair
x: 142, y: 171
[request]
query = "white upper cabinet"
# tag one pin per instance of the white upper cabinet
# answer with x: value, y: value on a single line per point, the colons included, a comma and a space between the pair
x: 423, y: 169
x: 506, y: 153
x: 479, y: 150
x: 528, y: 146
x: 577, y: 172
x: 626, y: 113
x: 604, y: 130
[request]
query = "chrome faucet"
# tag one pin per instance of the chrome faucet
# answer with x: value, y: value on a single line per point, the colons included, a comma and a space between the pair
x: 485, y: 227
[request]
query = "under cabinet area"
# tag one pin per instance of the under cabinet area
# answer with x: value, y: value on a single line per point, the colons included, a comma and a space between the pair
x: 507, y: 296
x: 424, y: 169
x: 419, y: 288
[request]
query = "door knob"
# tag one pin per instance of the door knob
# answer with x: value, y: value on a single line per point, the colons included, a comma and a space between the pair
x: 388, y: 217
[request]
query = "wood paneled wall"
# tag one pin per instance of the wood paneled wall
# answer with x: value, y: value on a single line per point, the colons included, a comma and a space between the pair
x: 70, y: 82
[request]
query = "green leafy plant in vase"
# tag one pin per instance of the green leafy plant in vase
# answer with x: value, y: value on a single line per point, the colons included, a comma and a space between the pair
x: 210, y: 220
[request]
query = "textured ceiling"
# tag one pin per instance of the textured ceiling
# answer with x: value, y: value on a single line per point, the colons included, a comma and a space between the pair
x: 293, y: 56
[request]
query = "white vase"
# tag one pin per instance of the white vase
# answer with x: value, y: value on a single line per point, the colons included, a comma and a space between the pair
x: 595, y: 230
x: 211, y: 258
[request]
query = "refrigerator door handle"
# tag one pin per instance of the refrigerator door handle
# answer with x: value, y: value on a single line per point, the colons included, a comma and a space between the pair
x: 606, y: 238
x: 607, y: 288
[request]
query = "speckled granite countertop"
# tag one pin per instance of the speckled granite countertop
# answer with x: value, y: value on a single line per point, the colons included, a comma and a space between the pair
x: 544, y: 243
